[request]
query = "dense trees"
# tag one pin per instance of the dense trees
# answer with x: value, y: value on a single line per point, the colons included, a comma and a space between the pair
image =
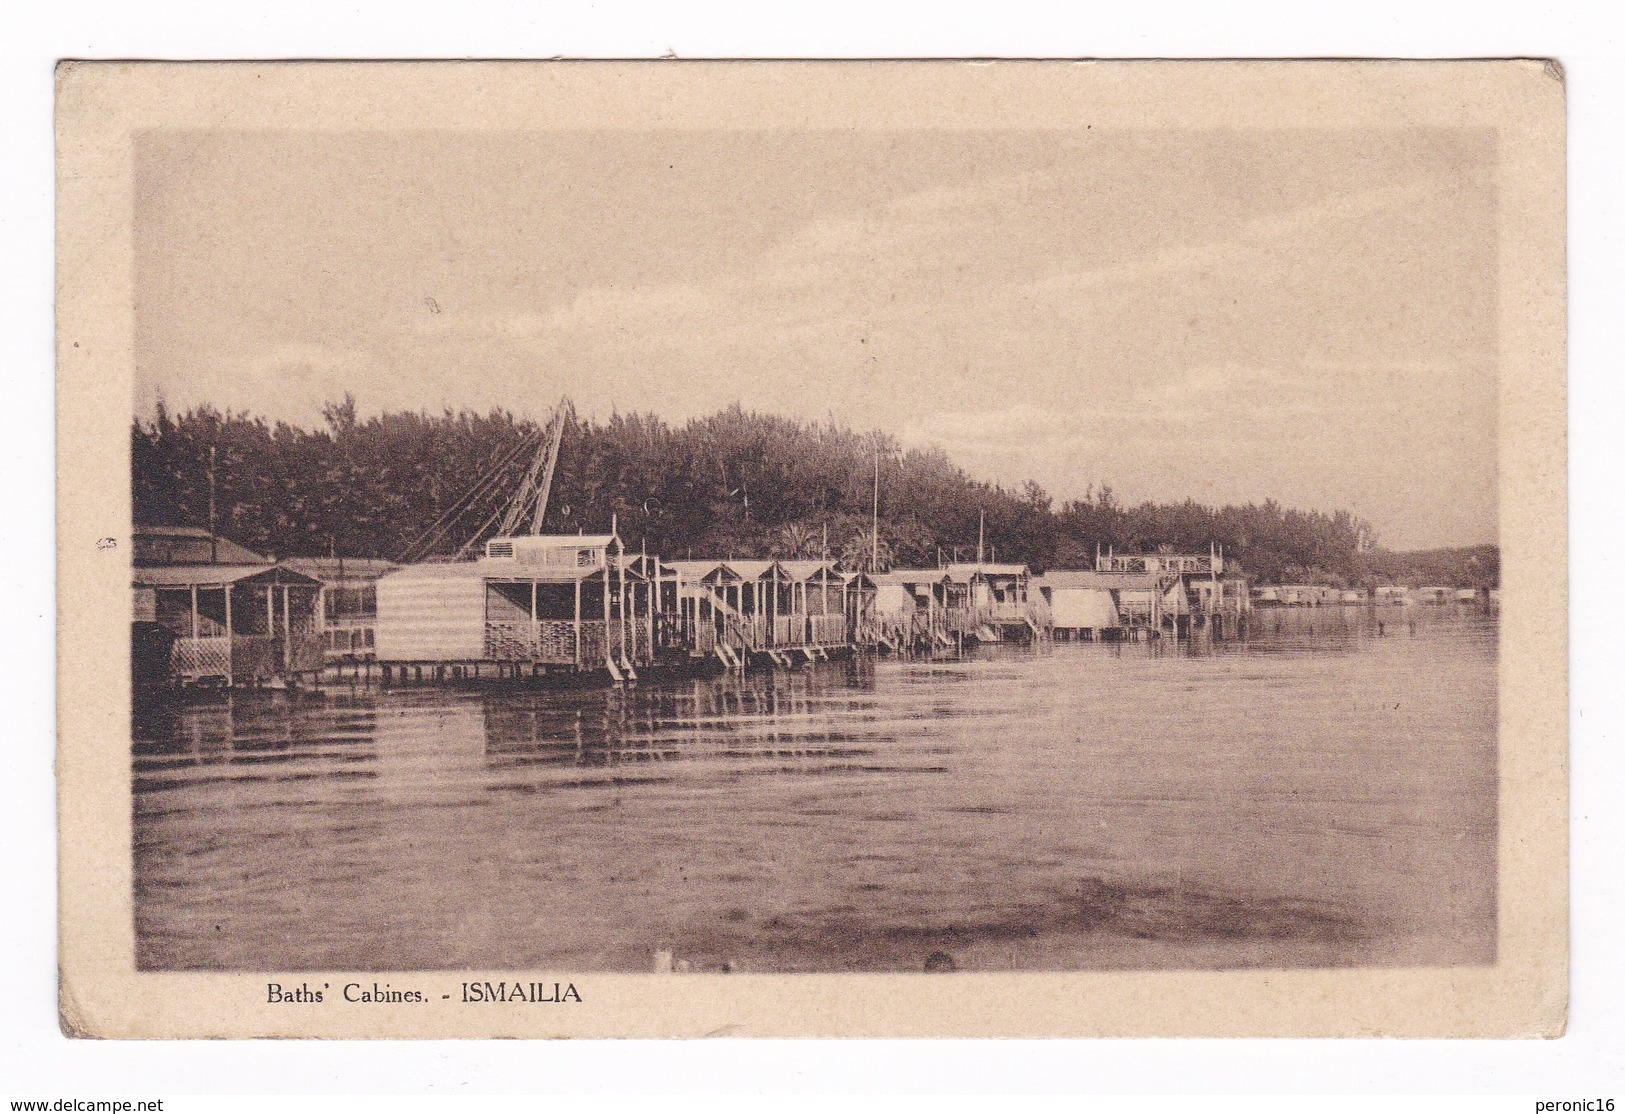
x: 733, y: 483
x: 1475, y: 566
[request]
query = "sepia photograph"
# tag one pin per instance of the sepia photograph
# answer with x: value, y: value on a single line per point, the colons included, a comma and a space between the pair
x: 879, y: 539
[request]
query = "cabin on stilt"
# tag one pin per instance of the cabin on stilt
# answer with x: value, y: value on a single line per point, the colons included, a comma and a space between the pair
x: 708, y: 600
x: 655, y: 591
x: 532, y: 604
x: 1083, y: 605
x: 817, y: 604
x: 763, y: 603
x: 775, y: 609
x: 233, y: 625
x: 913, y: 608
x: 991, y: 601
x: 349, y: 604
x: 861, y: 617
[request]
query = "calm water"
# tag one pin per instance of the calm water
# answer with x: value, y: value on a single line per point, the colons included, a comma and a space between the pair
x: 1319, y: 796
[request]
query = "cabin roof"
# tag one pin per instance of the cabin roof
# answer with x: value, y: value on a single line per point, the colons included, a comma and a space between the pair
x: 188, y: 545
x: 169, y: 532
x: 185, y: 576
x: 437, y: 569
x: 560, y: 541
x: 696, y: 570
x: 805, y: 569
x: 643, y: 563
x: 921, y: 576
x: 963, y: 571
x: 754, y: 570
x: 340, y: 568
x: 913, y: 576
x: 1105, y: 581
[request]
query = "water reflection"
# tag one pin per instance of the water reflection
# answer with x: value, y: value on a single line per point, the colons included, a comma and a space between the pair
x: 1321, y: 794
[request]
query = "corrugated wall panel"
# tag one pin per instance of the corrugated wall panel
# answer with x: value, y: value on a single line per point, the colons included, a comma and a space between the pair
x: 1088, y: 608
x: 431, y: 613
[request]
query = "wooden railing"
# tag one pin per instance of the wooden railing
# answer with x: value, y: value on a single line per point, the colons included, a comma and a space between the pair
x: 828, y: 630
x: 306, y: 652
x: 632, y: 638
x: 925, y: 625
x: 246, y: 658
x: 350, y: 636
x: 194, y: 659
x: 254, y: 658
x: 705, y: 638
x: 745, y: 632
x: 789, y: 630
x: 760, y: 633
x: 593, y: 645
x: 544, y: 641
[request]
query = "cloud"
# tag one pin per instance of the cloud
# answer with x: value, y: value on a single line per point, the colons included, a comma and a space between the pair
x: 1119, y: 314
x: 1261, y: 237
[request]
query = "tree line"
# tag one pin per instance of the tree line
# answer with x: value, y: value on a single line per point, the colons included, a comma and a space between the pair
x: 734, y: 483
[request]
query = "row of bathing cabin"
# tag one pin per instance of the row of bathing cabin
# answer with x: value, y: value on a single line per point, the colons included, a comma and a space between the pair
x: 1324, y: 595
x: 210, y: 612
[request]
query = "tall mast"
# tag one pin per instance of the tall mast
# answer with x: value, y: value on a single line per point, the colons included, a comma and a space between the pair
x: 874, y: 527
x: 537, y: 484
x: 547, y: 477
x: 214, y: 540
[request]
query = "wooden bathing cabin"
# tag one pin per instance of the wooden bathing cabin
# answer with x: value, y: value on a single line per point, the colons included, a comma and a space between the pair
x: 533, y: 604
x: 349, y: 604
x: 860, y: 593
x: 912, y: 610
x: 990, y: 602
x: 231, y: 625
x: 775, y: 610
x: 1298, y: 595
x: 706, y: 600
x: 1086, y: 605
x: 1196, y: 589
x: 1083, y: 605
x: 818, y: 604
x: 648, y: 572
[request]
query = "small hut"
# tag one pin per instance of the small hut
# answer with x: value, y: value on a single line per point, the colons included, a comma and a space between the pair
x: 233, y: 624
x: 708, y: 599
x: 653, y: 585
x: 858, y: 592
x: 913, y: 604
x: 765, y: 604
x: 532, y: 602
x: 817, y: 595
x: 1083, y: 604
x: 992, y: 590
x: 349, y: 604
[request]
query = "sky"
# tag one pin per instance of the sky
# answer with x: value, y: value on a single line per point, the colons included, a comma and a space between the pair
x: 1228, y: 315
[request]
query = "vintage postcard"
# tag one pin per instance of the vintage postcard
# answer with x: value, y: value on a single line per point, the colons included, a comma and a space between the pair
x: 812, y: 549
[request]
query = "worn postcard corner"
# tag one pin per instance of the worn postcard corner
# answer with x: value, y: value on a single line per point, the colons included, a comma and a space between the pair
x: 842, y: 550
